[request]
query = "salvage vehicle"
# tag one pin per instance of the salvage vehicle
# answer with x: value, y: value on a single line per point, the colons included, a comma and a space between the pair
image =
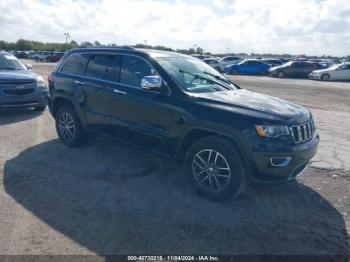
x: 229, y: 60
x: 19, y: 87
x: 335, y: 72
x: 293, y: 69
x: 216, y: 64
x: 178, y: 106
x: 55, y: 57
x: 248, y: 67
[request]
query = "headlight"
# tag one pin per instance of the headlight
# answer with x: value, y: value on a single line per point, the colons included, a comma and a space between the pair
x: 271, y: 131
x: 40, y: 81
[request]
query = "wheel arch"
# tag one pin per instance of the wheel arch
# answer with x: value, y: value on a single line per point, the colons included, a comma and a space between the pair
x: 196, y: 133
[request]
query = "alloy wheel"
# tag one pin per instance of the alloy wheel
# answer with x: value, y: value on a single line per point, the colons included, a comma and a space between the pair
x: 211, y: 170
x: 66, y: 126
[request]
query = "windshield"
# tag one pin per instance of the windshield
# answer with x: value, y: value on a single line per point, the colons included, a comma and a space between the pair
x: 195, y: 76
x: 333, y: 67
x: 10, y: 62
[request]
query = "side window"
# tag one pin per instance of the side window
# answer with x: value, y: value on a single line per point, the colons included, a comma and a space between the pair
x: 75, y: 64
x: 133, y: 70
x: 103, y: 67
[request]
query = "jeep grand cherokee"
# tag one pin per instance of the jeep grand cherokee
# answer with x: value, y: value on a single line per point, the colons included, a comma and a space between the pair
x: 180, y: 107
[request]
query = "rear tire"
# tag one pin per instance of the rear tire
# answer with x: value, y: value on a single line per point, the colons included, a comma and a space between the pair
x: 69, y: 127
x: 215, y: 168
x: 325, y: 77
x: 235, y: 72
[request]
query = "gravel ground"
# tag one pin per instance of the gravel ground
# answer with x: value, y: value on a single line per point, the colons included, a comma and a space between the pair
x: 108, y: 198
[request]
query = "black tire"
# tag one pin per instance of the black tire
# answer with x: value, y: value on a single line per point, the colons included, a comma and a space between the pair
x: 66, y: 118
x: 325, y: 77
x: 235, y: 72
x: 40, y: 108
x: 280, y: 74
x: 228, y: 183
x: 218, y: 69
x: 36, y: 59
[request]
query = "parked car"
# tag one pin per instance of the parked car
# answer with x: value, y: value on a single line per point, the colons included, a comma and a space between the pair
x: 42, y: 56
x: 182, y: 108
x: 201, y: 57
x: 55, y: 57
x: 272, y: 61
x: 19, y: 87
x: 229, y: 60
x: 21, y: 54
x: 248, y: 66
x: 216, y: 64
x: 293, y: 69
x: 336, y: 72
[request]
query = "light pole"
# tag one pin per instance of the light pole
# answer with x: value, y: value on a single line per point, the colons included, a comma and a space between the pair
x: 145, y: 41
x: 67, y: 36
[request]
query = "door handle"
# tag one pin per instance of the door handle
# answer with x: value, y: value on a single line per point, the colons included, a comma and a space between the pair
x: 119, y: 92
x: 79, y: 82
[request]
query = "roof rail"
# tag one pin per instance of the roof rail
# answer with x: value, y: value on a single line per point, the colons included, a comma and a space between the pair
x: 104, y: 46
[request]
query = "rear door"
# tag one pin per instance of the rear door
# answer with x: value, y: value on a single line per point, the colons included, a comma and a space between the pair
x: 102, y: 73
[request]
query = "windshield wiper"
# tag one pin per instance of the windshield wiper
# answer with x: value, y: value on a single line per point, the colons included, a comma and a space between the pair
x: 218, y: 77
x: 205, y: 78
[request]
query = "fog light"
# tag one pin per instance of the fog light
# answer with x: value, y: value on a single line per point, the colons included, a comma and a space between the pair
x: 280, y: 161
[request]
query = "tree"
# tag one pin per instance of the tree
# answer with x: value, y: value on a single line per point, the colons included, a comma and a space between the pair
x: 85, y: 44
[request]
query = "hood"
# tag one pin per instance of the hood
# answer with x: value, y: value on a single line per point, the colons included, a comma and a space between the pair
x: 258, y: 105
x: 277, y: 67
x: 320, y: 71
x: 16, y: 75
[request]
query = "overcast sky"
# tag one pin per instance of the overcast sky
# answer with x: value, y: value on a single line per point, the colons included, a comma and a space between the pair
x: 313, y: 27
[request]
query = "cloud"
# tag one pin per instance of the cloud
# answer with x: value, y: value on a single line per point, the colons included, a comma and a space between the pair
x: 270, y: 26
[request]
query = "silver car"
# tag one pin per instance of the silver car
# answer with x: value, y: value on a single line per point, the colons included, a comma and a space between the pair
x: 19, y: 87
x: 217, y: 65
x: 335, y: 72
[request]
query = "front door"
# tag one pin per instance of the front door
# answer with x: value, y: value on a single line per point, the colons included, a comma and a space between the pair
x: 140, y: 116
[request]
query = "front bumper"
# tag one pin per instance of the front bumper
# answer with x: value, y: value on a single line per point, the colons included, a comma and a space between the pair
x: 265, y: 172
x: 315, y: 77
x: 35, y: 99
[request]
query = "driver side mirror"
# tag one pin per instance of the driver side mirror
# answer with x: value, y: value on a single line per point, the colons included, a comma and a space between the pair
x: 153, y: 83
x: 29, y: 67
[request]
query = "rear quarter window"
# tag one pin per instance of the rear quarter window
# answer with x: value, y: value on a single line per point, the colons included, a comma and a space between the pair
x: 75, y: 64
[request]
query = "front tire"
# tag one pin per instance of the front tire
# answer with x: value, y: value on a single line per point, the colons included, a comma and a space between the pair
x: 325, y: 77
x: 216, y: 168
x: 280, y: 74
x: 69, y: 127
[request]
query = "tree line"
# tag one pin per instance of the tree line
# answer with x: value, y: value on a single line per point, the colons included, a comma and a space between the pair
x: 25, y: 45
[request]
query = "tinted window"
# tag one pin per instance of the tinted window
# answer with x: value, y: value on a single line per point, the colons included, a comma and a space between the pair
x: 345, y: 67
x: 133, y: 70
x: 103, y: 67
x: 75, y: 64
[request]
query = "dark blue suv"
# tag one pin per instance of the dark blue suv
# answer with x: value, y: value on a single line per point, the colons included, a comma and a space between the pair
x: 180, y: 107
x: 19, y: 87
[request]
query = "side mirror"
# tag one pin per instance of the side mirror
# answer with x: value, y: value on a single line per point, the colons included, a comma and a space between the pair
x: 29, y: 67
x: 153, y: 83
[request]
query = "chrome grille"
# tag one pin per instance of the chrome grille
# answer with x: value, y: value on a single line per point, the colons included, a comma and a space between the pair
x: 302, y: 133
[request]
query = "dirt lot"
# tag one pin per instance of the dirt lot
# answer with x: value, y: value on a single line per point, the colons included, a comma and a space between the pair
x: 108, y: 198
